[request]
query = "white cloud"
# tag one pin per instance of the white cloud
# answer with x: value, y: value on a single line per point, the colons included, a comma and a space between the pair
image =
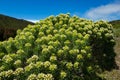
x: 34, y: 21
x: 105, y: 12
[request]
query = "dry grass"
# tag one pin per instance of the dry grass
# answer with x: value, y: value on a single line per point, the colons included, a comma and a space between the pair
x: 117, y: 50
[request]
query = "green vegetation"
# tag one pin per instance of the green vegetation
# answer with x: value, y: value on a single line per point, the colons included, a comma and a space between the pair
x: 59, y: 47
x: 9, y: 26
x: 114, y: 74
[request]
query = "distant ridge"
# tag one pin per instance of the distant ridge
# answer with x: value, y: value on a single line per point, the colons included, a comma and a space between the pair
x: 116, y: 28
x: 115, y: 23
x: 9, y: 26
x: 10, y: 22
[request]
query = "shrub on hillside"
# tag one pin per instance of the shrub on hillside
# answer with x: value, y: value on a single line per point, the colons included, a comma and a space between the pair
x: 58, y: 48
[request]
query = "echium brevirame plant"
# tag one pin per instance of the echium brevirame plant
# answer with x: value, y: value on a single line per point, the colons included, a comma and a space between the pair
x: 57, y: 48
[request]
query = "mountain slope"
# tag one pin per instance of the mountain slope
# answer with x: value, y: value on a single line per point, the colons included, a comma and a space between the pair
x: 9, y: 25
x: 10, y: 22
x: 116, y: 27
x: 115, y: 23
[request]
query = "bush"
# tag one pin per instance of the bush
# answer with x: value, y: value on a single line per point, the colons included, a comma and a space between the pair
x: 58, y: 48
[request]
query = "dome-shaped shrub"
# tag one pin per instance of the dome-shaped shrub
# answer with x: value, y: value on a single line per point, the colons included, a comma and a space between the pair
x: 57, y: 48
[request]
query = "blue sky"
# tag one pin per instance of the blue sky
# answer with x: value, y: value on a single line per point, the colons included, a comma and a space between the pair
x: 35, y: 10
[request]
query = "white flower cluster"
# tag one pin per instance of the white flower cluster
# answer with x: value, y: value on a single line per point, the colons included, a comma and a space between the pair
x: 7, y: 59
x: 18, y: 63
x: 6, y: 74
x: 34, y: 58
x: 40, y: 76
x: 18, y: 71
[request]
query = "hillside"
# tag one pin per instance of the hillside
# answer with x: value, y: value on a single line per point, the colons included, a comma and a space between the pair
x: 115, y: 23
x: 9, y: 25
x: 116, y: 26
